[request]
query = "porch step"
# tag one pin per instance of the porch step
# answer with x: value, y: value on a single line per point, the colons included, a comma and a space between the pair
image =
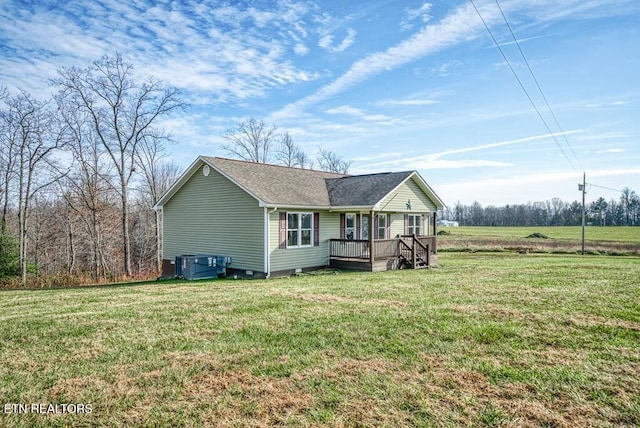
x: 420, y: 263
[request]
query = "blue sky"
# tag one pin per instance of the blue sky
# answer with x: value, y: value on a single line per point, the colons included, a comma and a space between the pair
x: 392, y: 85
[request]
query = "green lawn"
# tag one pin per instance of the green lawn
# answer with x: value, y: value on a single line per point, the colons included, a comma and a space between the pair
x: 484, y: 340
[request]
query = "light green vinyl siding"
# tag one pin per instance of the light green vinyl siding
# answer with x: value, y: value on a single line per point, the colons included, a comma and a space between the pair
x: 211, y: 215
x: 409, y: 191
x: 397, y: 224
x: 293, y: 258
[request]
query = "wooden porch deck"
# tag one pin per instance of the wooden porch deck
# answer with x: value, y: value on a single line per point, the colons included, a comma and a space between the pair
x: 403, y: 252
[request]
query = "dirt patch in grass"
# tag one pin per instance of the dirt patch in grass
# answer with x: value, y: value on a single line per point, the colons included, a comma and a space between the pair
x: 500, y: 312
x: 207, y: 394
x: 390, y: 395
x: 587, y: 320
x: 372, y: 392
x: 235, y: 397
x: 508, y: 403
x: 68, y: 390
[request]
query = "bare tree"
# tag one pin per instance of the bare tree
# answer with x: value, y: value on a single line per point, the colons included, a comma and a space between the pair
x: 290, y: 154
x: 251, y: 140
x: 86, y: 190
x: 332, y: 162
x: 158, y: 175
x: 629, y: 201
x: 33, y: 135
x: 7, y: 157
x: 123, y: 113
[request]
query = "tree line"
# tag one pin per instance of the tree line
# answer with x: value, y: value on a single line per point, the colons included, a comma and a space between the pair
x: 81, y: 170
x: 624, y: 211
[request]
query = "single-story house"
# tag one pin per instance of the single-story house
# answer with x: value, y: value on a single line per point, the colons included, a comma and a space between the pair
x: 275, y: 220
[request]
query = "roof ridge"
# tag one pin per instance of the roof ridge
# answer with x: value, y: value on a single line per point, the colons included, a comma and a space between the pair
x: 279, y: 166
x: 377, y: 173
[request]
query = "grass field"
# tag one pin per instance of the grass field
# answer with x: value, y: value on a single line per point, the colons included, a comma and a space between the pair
x: 559, y: 239
x: 497, y: 339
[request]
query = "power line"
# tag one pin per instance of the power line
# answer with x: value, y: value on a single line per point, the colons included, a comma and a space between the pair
x: 566, y: 140
x: 607, y: 188
x: 522, y: 86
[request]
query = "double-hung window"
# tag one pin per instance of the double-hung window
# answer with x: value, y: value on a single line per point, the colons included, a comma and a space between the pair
x: 299, y: 230
x: 414, y: 224
x: 381, y: 226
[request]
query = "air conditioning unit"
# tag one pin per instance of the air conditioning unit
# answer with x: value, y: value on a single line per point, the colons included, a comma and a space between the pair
x: 201, y: 266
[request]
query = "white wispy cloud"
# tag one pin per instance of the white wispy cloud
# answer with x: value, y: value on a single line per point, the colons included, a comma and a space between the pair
x: 326, y: 41
x: 606, y: 104
x: 578, y: 9
x: 355, y: 112
x: 459, y: 26
x: 407, y: 102
x: 523, y: 40
x: 412, y: 14
x: 443, y: 70
x: 301, y: 49
x: 601, y: 136
x: 615, y: 150
x: 380, y: 156
x: 503, y: 143
x: 435, y: 160
x: 196, y: 47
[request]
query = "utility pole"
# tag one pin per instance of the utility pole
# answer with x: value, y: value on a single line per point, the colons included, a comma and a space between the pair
x: 583, y: 188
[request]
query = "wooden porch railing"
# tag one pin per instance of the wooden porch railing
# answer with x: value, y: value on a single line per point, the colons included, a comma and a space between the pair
x: 415, y: 248
x: 349, y: 249
x: 383, y: 248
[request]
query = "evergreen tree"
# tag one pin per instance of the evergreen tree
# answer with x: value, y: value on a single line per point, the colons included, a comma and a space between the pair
x: 9, y: 259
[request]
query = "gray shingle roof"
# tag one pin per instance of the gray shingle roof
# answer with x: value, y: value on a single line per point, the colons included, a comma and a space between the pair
x: 278, y: 184
x: 363, y: 190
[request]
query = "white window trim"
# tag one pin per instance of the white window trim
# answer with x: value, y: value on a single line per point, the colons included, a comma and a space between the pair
x: 299, y: 229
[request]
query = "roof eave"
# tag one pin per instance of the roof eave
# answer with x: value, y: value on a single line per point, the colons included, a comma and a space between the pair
x: 295, y: 207
x: 345, y: 208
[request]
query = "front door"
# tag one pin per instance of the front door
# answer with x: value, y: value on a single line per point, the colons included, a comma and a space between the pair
x: 365, y: 227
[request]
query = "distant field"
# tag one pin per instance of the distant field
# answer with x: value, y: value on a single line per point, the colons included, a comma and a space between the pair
x: 592, y: 233
x: 487, y: 339
x: 604, y: 240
